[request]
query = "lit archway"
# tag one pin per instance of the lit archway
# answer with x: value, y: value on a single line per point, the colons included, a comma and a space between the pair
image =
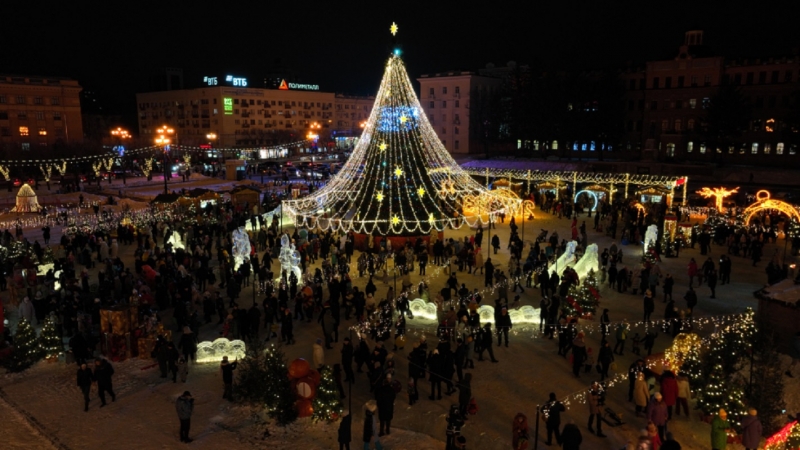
x: 592, y: 194
x: 764, y: 203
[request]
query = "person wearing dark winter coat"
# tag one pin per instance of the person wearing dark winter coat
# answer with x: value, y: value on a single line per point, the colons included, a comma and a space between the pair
x: 385, y: 396
x: 227, y: 369
x: 503, y: 326
x: 85, y: 383
x: 454, y: 422
x: 162, y: 355
x: 657, y: 413
x: 184, y: 406
x: 435, y: 369
x: 102, y: 374
x: 172, y: 360
x: 347, y: 361
x: 188, y: 344
x: 594, y: 399
x: 552, y: 411
x: 486, y: 342
x: 605, y: 357
x: 370, y: 425
x: 465, y: 393
x: 571, y: 437
x: 345, y: 435
x: 751, y: 430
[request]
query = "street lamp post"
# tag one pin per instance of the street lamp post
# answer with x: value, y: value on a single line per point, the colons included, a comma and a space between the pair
x: 120, y: 134
x: 211, y: 137
x: 163, y: 139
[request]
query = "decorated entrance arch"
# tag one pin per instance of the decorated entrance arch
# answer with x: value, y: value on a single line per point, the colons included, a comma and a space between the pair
x: 765, y: 203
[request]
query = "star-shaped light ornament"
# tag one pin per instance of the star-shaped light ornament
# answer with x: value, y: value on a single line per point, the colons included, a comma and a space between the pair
x: 383, y: 146
x: 398, y: 172
x: 431, y: 219
x: 403, y: 119
x: 379, y: 196
x: 395, y: 220
x: 393, y: 29
x: 421, y: 192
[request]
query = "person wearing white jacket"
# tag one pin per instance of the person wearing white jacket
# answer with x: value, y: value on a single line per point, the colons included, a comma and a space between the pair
x: 319, y: 354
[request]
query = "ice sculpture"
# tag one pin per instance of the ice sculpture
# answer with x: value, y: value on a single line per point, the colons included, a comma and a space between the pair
x: 422, y: 309
x: 525, y: 314
x: 650, y: 237
x: 176, y: 241
x: 564, y: 260
x: 589, y: 261
x: 289, y: 258
x: 208, y: 351
x: 241, y: 247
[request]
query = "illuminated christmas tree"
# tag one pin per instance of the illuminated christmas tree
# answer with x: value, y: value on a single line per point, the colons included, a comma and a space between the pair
x: 400, y: 178
x: 327, y: 403
x: 26, y: 349
x: 279, y: 396
x: 766, y: 391
x: 50, y: 343
x: 251, y: 373
x: 583, y: 298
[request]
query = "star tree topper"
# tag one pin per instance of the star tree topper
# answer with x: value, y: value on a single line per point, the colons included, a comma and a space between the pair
x: 398, y: 172
x: 393, y: 29
x: 383, y: 146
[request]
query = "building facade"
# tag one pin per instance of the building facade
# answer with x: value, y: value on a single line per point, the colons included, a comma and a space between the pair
x: 244, y: 116
x: 450, y: 100
x: 667, y: 105
x: 37, y: 112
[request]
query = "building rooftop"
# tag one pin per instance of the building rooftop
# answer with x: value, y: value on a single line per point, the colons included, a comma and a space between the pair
x: 34, y: 79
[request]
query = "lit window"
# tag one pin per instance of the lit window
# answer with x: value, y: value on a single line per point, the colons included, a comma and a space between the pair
x: 779, y: 148
x: 754, y: 148
x: 692, y: 102
x: 703, y: 148
x: 770, y: 125
x: 706, y: 102
x: 670, y: 150
x: 519, y: 144
x: 23, y: 131
x: 767, y: 149
x: 42, y: 132
x: 689, y: 147
x: 26, y: 146
x: 555, y: 145
x: 583, y: 147
x: 678, y: 125
x: 591, y: 146
x: 730, y: 149
x: 793, y: 149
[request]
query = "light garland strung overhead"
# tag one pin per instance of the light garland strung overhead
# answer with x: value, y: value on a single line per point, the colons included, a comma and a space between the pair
x: 400, y: 179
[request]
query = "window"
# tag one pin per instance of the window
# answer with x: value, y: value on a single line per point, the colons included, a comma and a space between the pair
x: 762, y: 78
x: 444, y: 103
x: 772, y: 101
x: 677, y: 125
x: 706, y: 102
x: 754, y: 148
x: 42, y: 132
x: 670, y: 150
x: 730, y: 149
x: 655, y: 83
x: 5, y: 132
x: 56, y: 115
x: 642, y: 84
x: 38, y: 100
x: 750, y: 77
x: 678, y: 104
x: 703, y: 148
x: 432, y: 121
x: 444, y: 130
x: 631, y: 105
x: 665, y: 104
x: 456, y: 144
x: 787, y: 78
x: 444, y: 142
x: 23, y: 131
x: 694, y: 81
x: 641, y: 105
x: 680, y: 81
x: 444, y: 89
x: 664, y: 125
x: 3, y: 115
x: 737, y: 78
x: 458, y: 91
x: 20, y: 100
x: 689, y: 147
x: 707, y: 80
x: 654, y: 105
x: 457, y: 104
x: 555, y: 145
x: 668, y: 82
x: 692, y: 103
x: 26, y: 146
x: 793, y: 149
x: 632, y: 85
x: 775, y: 75
x: 444, y: 118
x: 767, y: 149
x: 3, y: 99
x: 432, y: 104
x: 455, y: 130
x: 690, y: 124
x: 430, y: 92
x: 39, y: 115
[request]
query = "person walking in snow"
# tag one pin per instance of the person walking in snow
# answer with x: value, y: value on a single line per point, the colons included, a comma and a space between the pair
x: 184, y: 406
x: 85, y: 383
x: 102, y: 374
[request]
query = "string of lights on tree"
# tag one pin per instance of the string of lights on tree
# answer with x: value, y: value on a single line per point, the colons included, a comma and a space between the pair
x: 400, y: 179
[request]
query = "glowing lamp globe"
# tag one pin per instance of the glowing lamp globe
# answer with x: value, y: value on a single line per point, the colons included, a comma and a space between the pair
x: 299, y: 368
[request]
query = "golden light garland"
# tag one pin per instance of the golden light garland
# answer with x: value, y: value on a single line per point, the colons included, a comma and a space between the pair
x: 46, y: 171
x: 4, y: 170
x: 719, y: 194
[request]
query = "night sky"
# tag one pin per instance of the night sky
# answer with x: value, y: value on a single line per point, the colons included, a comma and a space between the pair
x: 342, y: 46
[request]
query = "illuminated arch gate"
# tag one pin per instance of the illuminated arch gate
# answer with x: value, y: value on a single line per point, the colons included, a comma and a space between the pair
x: 764, y: 203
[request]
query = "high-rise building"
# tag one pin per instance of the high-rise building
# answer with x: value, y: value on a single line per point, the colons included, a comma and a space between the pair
x: 36, y: 112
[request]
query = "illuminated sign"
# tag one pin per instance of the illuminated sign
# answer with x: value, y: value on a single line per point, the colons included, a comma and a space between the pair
x: 210, y: 81
x: 236, y: 81
x: 227, y: 106
x: 306, y: 87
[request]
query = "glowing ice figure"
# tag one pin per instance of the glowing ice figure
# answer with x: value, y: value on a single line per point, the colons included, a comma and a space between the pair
x: 290, y: 258
x: 208, y: 351
x: 525, y: 314
x: 650, y: 237
x: 176, y: 241
x: 564, y: 260
x: 589, y: 261
x: 241, y: 247
x: 422, y: 309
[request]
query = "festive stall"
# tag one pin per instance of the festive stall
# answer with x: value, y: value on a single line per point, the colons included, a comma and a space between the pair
x: 245, y: 195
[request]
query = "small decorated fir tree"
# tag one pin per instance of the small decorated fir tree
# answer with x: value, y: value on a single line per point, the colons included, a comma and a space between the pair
x: 26, y: 347
x: 583, y: 298
x: 279, y: 396
x: 766, y: 391
x: 327, y: 403
x: 50, y: 343
x: 251, y: 373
